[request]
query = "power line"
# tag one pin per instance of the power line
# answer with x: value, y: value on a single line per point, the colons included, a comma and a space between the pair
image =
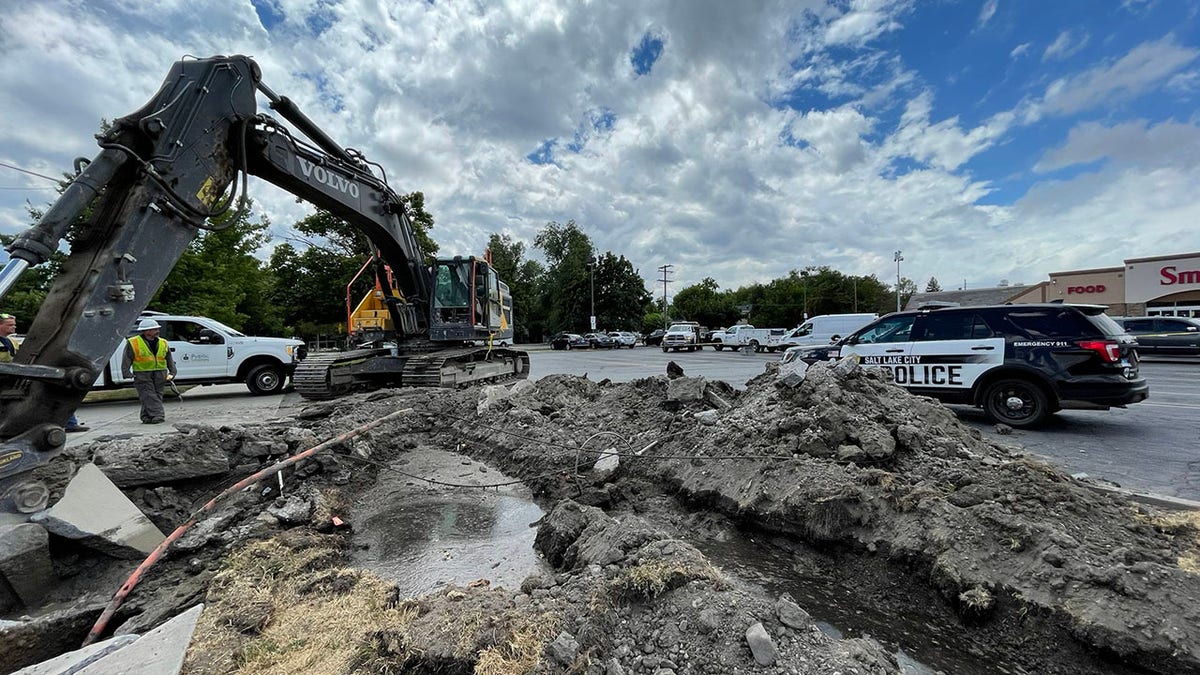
x: 31, y: 173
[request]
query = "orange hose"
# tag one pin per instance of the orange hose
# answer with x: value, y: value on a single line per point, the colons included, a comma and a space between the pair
x: 132, y: 581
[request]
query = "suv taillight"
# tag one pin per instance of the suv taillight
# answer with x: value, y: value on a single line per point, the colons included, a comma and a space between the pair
x: 1108, y: 350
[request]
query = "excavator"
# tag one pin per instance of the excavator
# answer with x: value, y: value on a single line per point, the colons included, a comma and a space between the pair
x: 162, y: 175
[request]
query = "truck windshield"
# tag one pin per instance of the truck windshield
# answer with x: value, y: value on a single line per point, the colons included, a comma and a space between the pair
x: 804, y: 330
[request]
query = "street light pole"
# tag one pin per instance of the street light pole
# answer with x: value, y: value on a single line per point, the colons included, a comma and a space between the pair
x: 592, y: 275
x: 804, y: 278
x: 898, y: 259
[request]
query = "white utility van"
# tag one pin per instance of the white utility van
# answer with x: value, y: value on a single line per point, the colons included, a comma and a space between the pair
x: 821, y: 330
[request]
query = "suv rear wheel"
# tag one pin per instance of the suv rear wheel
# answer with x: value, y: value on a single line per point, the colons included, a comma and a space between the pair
x: 1016, y: 402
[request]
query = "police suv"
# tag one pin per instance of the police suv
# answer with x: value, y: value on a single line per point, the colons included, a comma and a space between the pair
x: 1020, y: 363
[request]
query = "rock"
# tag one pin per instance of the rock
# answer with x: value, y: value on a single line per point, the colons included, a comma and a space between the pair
x: 25, y: 561
x: 791, y: 614
x: 1003, y: 429
x: 614, y: 668
x: 254, y: 448
x: 847, y: 366
x: 161, y: 459
x: 683, y: 389
x: 295, y: 509
x: 761, y: 645
x: 564, y: 649
x: 47, y: 636
x: 707, y: 417
x: 710, y: 620
x: 674, y: 370
x: 715, y: 400
x: 490, y: 395
x: 94, y: 512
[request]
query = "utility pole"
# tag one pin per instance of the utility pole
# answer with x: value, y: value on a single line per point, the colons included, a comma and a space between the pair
x: 898, y: 259
x: 665, y: 269
x: 855, y: 294
x: 592, y: 276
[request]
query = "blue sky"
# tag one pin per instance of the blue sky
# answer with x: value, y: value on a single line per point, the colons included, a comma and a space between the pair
x: 988, y: 140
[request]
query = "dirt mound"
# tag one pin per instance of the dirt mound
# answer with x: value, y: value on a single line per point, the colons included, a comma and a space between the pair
x: 884, y: 490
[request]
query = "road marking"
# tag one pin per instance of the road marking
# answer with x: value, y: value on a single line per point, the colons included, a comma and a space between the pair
x: 1189, y: 406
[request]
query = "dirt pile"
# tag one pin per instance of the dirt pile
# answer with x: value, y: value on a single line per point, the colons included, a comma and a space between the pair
x: 883, y: 490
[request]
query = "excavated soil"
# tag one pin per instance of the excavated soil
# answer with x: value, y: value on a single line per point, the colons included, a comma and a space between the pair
x: 689, y: 528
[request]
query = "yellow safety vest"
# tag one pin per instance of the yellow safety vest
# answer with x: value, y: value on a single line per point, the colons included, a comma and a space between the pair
x: 143, y: 359
x: 6, y: 356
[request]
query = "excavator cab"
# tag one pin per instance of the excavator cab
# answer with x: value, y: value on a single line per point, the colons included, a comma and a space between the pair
x: 469, y: 302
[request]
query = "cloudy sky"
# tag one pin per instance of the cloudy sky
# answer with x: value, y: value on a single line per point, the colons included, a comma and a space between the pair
x: 986, y: 139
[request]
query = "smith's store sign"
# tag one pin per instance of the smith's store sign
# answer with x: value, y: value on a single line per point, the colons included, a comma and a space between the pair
x: 1152, y: 279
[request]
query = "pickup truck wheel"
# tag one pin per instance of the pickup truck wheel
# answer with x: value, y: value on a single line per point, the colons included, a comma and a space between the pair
x: 265, y: 379
x: 1017, y: 403
x: 664, y: 350
x: 755, y: 346
x: 718, y: 346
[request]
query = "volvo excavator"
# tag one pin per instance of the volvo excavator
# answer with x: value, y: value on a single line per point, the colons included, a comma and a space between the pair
x: 162, y: 175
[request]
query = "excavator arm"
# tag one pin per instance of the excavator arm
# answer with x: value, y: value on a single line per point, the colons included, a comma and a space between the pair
x: 163, y: 172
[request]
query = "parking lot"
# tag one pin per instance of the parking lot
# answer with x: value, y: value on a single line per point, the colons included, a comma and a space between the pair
x: 1153, y: 446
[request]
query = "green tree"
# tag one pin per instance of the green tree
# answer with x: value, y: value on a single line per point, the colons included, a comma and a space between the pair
x: 566, y: 285
x: 522, y: 278
x: 219, y: 276
x: 706, y: 304
x: 933, y: 286
x: 621, y: 293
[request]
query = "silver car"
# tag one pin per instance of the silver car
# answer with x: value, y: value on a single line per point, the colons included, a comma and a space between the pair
x: 623, y: 338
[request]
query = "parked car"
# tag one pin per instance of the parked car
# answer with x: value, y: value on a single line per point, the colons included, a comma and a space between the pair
x: 1163, y: 334
x: 1020, y: 363
x: 569, y: 341
x: 600, y: 340
x: 654, y: 337
x: 624, y: 338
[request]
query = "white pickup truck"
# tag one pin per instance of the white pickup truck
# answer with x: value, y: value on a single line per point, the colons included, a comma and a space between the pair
x: 745, y: 335
x: 207, y: 351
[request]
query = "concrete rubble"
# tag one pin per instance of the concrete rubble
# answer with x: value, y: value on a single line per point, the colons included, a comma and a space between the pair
x: 95, y: 512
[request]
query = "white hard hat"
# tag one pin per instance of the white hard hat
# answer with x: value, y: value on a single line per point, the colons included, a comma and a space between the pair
x: 147, y: 324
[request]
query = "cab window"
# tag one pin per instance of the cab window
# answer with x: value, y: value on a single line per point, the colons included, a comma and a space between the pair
x: 804, y: 330
x: 1139, y: 325
x: 895, y: 329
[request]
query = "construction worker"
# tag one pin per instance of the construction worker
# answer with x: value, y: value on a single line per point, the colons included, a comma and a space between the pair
x: 8, y: 350
x: 149, y: 362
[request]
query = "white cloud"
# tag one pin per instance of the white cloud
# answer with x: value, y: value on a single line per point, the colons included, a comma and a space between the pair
x: 1020, y: 50
x: 1066, y: 45
x: 987, y: 12
x: 1135, y: 142
x: 451, y: 96
x: 1145, y: 67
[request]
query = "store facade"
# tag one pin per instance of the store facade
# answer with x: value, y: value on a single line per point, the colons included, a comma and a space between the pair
x: 1158, y: 286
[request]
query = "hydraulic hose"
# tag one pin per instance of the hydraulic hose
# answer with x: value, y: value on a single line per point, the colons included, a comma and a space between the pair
x: 127, y: 588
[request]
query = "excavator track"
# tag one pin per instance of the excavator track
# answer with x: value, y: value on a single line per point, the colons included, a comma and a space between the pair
x: 468, y: 365
x: 326, y: 376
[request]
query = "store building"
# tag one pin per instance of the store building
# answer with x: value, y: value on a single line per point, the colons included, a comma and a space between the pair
x: 1158, y: 286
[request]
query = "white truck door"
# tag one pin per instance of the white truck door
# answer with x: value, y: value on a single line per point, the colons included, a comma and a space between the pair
x: 200, y: 352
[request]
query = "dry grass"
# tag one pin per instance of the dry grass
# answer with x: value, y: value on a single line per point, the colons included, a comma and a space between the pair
x: 265, y: 614
x: 653, y: 578
x: 1184, y: 524
x: 521, y: 652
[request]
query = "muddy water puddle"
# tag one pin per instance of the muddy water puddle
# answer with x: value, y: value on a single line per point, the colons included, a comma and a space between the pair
x: 924, y: 643
x: 423, y: 538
